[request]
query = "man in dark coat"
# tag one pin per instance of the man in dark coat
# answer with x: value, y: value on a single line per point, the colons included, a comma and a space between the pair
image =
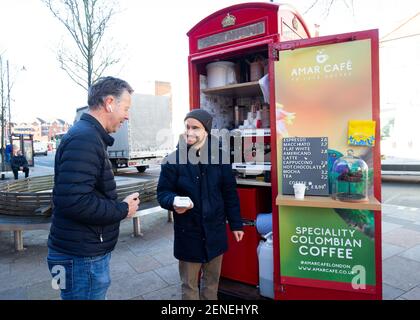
x: 19, y: 163
x: 86, y: 215
x: 196, y: 170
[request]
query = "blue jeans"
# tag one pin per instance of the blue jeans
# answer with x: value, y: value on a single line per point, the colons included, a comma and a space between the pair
x: 79, y: 278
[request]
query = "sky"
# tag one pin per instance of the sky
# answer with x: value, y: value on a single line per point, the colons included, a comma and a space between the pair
x: 152, y: 38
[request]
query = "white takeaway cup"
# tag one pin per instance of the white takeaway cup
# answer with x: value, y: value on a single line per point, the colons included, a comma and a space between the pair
x: 299, y: 190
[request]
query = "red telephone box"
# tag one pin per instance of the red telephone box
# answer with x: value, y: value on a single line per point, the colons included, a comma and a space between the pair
x: 256, y: 69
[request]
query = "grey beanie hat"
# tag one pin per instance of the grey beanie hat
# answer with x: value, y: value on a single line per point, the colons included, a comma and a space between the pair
x: 203, y: 116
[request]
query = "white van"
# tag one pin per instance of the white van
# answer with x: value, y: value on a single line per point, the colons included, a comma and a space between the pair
x: 40, y: 148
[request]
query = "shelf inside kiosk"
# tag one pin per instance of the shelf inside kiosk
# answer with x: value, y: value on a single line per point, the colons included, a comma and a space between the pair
x: 232, y: 90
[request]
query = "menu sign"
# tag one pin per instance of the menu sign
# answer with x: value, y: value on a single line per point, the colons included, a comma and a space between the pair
x: 305, y: 160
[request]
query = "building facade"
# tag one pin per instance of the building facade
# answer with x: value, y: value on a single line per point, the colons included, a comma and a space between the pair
x: 41, y: 130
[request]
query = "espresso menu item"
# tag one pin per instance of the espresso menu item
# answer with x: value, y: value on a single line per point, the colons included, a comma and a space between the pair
x: 305, y: 160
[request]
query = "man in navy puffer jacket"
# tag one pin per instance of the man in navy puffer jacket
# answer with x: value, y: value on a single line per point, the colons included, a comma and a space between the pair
x: 197, y: 170
x: 86, y: 215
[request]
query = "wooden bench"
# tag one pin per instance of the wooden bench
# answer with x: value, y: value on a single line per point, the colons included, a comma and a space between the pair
x: 141, y: 213
x: 27, y: 197
x: 7, y: 169
x: 27, y: 204
x: 18, y: 224
x: 3, y: 175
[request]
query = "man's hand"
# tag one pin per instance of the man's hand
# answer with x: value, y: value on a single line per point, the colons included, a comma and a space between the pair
x: 133, y: 202
x: 182, y: 210
x: 238, y: 235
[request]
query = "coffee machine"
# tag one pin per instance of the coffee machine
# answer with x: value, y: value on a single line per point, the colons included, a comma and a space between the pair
x: 251, y: 153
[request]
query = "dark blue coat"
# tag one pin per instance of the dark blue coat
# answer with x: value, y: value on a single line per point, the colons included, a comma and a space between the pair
x: 200, y: 233
x: 18, y: 161
x: 86, y: 215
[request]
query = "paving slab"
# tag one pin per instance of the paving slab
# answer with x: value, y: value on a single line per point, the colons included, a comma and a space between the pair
x: 389, y: 250
x: 42, y: 291
x: 169, y: 273
x: 386, y: 226
x: 144, y: 263
x: 165, y: 257
x: 406, y: 213
x: 133, y: 286
x: 150, y: 246
x: 413, y: 226
x: 24, y: 275
x: 401, y: 273
x: 412, y: 253
x: 4, y: 268
x: 169, y: 293
x: 413, y: 294
x: 391, y: 293
x: 14, y: 294
x: 120, y: 269
x: 400, y: 221
x: 402, y: 237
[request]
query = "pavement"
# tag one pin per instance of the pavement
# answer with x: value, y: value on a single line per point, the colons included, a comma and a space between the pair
x: 33, y: 172
x: 400, y: 252
x: 400, y: 170
x: 143, y: 268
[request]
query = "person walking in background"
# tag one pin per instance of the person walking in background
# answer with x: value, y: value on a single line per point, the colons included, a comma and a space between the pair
x: 8, y: 151
x: 200, y: 237
x: 86, y: 213
x: 19, y: 163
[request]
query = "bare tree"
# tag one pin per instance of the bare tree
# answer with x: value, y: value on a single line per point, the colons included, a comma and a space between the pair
x: 86, y: 21
x: 5, y: 101
x: 328, y: 4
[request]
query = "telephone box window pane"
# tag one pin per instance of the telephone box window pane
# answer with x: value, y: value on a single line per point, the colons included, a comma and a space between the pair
x: 289, y: 33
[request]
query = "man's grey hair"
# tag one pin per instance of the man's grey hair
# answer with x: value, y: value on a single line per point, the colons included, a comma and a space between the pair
x: 106, y: 86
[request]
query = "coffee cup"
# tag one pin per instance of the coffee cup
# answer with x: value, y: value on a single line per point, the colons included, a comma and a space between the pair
x: 299, y: 190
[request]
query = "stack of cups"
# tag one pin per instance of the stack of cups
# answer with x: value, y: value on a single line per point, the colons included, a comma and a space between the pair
x: 299, y: 190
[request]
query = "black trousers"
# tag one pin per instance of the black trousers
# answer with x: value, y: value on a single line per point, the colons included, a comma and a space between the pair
x: 25, y: 170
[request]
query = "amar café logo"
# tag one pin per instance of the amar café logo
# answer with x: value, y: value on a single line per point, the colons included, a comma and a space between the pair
x: 322, y: 68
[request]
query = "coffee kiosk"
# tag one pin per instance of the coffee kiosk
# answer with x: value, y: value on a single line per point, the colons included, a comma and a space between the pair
x: 305, y: 111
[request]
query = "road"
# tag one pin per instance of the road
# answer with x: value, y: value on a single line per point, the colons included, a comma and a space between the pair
x: 393, y: 193
x: 47, y: 162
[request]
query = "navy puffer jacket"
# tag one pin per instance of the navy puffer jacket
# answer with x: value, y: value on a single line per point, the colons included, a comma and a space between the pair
x: 18, y: 161
x: 86, y: 216
x: 200, y: 233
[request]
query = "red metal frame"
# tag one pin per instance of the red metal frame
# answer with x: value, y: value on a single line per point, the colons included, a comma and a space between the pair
x: 245, y: 14
x: 300, y: 292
